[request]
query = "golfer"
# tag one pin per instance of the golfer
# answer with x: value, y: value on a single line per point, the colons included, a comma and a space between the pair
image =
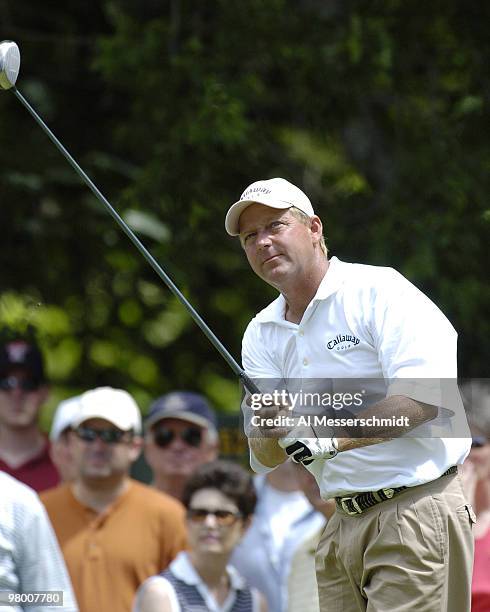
x: 401, y: 537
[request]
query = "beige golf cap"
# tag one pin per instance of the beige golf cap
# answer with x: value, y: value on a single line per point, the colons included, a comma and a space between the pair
x: 113, y: 405
x: 276, y: 193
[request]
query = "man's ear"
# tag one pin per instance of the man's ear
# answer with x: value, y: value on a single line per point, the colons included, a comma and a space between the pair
x: 212, y: 450
x: 43, y: 393
x: 136, y: 447
x: 316, y: 228
x: 316, y: 225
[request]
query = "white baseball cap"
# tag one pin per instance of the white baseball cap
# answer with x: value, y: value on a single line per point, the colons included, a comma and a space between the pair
x: 113, y: 405
x: 276, y: 193
x: 64, y: 417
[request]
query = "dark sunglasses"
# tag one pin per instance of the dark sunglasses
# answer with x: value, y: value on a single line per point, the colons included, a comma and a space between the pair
x: 224, y: 518
x: 12, y: 382
x: 109, y: 436
x: 478, y: 442
x: 163, y: 436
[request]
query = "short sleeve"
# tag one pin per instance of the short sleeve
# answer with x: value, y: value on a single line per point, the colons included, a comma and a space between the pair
x: 416, y: 343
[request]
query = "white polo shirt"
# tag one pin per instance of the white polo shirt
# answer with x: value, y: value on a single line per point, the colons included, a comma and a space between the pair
x: 368, y: 322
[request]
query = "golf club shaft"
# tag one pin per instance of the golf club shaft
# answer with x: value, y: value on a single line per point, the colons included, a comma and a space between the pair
x: 249, y: 384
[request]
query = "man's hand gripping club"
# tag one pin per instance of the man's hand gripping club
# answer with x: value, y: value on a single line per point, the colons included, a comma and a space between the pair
x: 299, y: 442
x: 306, y: 450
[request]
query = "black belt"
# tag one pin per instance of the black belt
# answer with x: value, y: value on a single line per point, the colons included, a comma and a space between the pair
x: 356, y: 504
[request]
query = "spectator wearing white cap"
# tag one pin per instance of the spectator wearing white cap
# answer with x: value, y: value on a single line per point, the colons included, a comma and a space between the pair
x: 181, y: 434
x: 112, y: 529
x: 63, y: 420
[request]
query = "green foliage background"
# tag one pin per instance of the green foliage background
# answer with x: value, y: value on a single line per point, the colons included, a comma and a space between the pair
x: 379, y: 110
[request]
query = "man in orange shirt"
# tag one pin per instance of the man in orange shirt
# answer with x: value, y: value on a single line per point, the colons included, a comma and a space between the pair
x: 114, y: 532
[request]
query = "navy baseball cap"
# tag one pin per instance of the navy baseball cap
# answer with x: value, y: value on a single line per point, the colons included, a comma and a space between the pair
x: 24, y: 355
x: 184, y: 405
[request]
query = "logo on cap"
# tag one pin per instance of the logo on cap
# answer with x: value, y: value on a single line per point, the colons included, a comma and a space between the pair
x: 251, y: 190
x: 175, y: 402
x: 17, y: 351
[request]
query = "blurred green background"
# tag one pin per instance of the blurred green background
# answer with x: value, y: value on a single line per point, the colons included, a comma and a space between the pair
x: 378, y: 110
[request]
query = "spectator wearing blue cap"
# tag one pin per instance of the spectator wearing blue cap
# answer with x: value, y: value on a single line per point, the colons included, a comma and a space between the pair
x: 180, y: 434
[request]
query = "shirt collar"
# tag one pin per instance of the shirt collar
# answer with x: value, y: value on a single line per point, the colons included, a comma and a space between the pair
x: 332, y: 281
x: 41, y: 457
x: 98, y: 516
x: 330, y: 284
x: 183, y: 569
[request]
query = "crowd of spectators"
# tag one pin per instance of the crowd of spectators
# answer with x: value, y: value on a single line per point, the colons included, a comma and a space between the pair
x: 204, y: 534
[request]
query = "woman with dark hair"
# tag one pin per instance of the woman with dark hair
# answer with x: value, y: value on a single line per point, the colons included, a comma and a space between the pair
x: 220, y: 500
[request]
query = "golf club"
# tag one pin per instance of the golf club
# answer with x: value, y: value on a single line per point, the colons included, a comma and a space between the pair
x: 9, y: 71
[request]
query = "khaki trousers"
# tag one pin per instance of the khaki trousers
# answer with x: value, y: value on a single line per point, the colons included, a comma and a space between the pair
x: 413, y: 553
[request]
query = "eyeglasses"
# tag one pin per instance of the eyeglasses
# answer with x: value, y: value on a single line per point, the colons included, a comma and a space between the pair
x: 478, y: 442
x: 163, y: 436
x: 109, y: 436
x: 13, y: 382
x: 224, y: 518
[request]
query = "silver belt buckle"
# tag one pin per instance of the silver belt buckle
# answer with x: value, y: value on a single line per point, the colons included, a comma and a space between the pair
x: 345, y: 508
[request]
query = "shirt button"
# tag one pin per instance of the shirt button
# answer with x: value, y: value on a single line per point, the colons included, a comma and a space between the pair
x: 301, y: 333
x: 305, y: 361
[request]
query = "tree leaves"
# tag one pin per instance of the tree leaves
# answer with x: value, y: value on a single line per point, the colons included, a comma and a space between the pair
x: 379, y: 111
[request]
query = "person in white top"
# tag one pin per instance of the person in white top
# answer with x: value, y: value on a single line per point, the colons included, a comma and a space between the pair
x: 401, y: 536
x: 283, y: 519
x: 220, y: 499
x: 32, y: 568
x: 302, y: 588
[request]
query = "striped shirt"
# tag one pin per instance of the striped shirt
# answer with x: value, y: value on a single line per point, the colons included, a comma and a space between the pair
x: 188, y: 593
x: 30, y: 558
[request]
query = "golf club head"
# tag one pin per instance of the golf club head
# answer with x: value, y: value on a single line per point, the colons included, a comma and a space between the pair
x: 9, y: 64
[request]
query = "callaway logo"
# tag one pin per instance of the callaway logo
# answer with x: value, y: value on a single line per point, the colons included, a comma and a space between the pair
x: 248, y: 192
x: 342, y: 342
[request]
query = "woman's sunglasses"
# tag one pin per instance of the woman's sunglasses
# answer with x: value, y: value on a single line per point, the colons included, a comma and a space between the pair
x: 224, y: 518
x: 163, y: 436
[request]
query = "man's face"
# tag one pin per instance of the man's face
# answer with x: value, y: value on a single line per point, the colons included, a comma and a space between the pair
x: 101, y: 452
x: 278, y: 246
x: 20, y: 400
x: 175, y: 448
